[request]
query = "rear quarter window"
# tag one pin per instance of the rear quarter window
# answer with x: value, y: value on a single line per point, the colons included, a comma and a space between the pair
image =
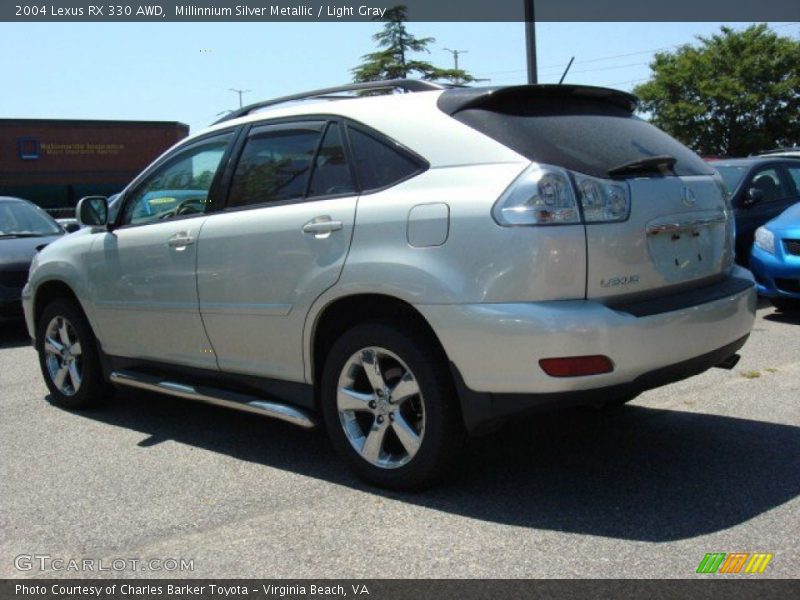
x: 379, y: 164
x: 583, y: 135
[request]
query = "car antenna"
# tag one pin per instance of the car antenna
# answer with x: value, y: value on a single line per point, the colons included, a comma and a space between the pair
x: 560, y: 81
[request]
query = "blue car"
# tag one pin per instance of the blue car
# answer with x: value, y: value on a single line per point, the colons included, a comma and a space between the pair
x: 775, y: 260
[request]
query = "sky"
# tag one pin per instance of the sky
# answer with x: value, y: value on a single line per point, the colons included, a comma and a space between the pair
x: 185, y: 71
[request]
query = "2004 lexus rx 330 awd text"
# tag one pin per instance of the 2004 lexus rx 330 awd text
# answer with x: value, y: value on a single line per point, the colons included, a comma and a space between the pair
x: 403, y: 268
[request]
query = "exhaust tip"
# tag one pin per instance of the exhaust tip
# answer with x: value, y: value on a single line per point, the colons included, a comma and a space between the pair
x: 729, y: 362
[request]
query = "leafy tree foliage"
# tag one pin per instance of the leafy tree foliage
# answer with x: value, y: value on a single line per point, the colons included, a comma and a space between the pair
x: 393, y: 59
x: 734, y: 94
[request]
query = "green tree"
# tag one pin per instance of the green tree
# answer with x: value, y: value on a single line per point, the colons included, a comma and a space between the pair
x: 733, y: 94
x: 393, y: 59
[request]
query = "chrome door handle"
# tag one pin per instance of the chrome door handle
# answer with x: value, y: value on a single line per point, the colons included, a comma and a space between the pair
x: 180, y: 240
x: 321, y: 225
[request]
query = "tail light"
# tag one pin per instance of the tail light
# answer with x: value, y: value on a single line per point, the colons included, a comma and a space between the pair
x: 547, y: 195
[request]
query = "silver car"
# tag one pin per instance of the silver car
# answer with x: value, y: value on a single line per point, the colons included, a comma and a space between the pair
x: 404, y: 269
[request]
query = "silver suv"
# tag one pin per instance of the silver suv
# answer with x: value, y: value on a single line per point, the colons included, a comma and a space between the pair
x: 402, y: 268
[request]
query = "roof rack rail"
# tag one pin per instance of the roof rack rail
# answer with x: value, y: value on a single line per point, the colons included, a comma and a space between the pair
x: 407, y: 85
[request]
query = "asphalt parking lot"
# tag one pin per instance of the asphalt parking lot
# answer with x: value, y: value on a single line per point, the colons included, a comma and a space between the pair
x: 711, y: 464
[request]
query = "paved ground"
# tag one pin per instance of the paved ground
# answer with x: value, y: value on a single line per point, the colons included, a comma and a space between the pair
x: 709, y: 464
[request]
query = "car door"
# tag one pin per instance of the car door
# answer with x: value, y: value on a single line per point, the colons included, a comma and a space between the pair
x: 770, y: 182
x: 792, y: 170
x: 143, y: 270
x: 280, y: 242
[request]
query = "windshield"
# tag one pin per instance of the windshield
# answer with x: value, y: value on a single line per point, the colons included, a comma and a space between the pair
x: 731, y: 175
x: 21, y: 219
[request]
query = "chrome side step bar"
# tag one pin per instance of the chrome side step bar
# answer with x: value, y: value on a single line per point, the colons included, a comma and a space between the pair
x: 215, y: 396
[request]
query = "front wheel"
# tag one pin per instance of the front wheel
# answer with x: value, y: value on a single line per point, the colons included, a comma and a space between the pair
x: 390, y: 408
x: 68, y: 356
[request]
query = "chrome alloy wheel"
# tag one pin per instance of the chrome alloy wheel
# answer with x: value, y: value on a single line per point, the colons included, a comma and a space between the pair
x: 380, y: 408
x: 63, y: 358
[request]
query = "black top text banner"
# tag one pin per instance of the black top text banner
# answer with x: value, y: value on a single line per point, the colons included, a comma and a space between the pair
x: 417, y: 10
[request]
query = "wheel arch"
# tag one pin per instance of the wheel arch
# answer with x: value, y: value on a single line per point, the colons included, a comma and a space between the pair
x: 340, y: 314
x: 50, y: 290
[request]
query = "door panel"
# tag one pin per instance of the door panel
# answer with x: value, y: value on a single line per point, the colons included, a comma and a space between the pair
x: 145, y: 293
x: 259, y: 271
x: 143, y: 273
x: 778, y: 194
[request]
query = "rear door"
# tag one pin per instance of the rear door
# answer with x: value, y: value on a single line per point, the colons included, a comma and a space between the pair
x: 280, y: 242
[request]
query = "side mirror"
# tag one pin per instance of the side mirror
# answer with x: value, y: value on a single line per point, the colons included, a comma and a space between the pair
x: 72, y: 227
x: 92, y: 211
x: 754, y: 196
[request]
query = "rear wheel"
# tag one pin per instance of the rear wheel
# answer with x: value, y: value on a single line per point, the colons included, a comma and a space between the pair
x: 389, y: 407
x: 786, y: 304
x: 68, y: 356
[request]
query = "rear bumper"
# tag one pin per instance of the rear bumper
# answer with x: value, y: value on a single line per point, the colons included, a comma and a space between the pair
x: 495, y: 348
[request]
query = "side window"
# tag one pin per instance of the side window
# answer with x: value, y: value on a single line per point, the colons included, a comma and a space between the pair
x: 377, y: 164
x: 331, y: 174
x: 274, y: 166
x: 794, y: 173
x: 768, y: 182
x: 179, y: 187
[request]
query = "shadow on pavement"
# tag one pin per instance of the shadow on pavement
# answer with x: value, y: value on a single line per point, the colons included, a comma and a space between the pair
x: 635, y: 473
x: 13, y: 334
x: 784, y: 317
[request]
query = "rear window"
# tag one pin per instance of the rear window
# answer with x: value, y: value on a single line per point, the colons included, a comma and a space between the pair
x: 582, y: 135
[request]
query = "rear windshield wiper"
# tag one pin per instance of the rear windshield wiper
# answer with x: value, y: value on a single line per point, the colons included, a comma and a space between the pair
x: 650, y: 164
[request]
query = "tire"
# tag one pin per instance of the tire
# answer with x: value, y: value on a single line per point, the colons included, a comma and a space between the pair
x: 414, y: 441
x: 787, y: 305
x: 75, y: 379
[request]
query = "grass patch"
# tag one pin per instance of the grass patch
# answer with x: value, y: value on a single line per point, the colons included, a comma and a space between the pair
x: 751, y: 374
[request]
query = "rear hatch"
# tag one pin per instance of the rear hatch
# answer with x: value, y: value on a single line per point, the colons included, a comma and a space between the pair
x: 678, y: 232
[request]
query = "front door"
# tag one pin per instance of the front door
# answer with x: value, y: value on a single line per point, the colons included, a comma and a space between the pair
x: 143, y: 272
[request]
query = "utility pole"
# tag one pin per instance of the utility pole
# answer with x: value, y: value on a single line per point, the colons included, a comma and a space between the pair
x: 530, y: 41
x: 455, y: 54
x: 240, y: 92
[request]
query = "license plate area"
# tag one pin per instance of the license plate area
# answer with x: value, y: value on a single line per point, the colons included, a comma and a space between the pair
x: 685, y: 249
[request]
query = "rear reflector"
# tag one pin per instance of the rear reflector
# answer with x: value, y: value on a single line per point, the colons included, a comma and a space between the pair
x: 576, y: 366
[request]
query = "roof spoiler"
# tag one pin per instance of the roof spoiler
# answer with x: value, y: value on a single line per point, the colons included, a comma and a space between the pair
x: 458, y: 99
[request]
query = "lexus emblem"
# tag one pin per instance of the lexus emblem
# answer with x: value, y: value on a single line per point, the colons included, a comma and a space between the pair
x: 688, y: 198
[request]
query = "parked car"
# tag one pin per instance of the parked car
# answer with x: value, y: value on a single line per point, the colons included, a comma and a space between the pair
x: 775, y: 260
x: 788, y: 151
x: 24, y: 229
x: 402, y: 268
x: 69, y: 224
x: 761, y: 188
